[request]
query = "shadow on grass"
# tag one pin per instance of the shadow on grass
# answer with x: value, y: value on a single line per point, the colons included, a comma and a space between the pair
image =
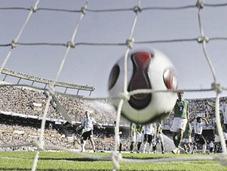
x: 25, y: 169
x: 75, y: 159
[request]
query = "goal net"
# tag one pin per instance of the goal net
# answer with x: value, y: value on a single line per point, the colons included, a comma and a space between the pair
x: 80, y: 41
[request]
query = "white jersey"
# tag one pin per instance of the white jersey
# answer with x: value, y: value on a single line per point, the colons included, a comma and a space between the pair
x: 224, y: 111
x: 211, y: 144
x: 198, y: 127
x: 87, y: 124
x: 149, y: 129
x: 133, y: 132
x: 139, y: 137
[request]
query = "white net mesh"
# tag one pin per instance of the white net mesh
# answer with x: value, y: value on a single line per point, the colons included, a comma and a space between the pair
x: 138, y: 10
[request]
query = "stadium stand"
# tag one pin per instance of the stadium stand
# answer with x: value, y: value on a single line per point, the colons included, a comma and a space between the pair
x: 21, y: 111
x: 19, y: 77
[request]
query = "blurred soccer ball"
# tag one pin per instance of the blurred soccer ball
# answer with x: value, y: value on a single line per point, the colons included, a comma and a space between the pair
x: 146, y: 69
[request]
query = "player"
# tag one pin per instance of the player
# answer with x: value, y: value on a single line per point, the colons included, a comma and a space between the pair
x: 136, y: 136
x: 132, y: 136
x: 187, y: 138
x: 181, y: 115
x: 159, y: 138
x: 120, y: 141
x: 224, y: 113
x: 148, y: 136
x: 211, y: 146
x: 139, y: 136
x: 87, y: 132
x: 120, y: 136
x: 198, y: 130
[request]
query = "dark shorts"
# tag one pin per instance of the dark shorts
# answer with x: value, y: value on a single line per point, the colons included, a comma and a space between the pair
x: 87, y: 135
x: 211, y: 149
x: 225, y: 127
x: 148, y: 138
x: 199, y: 139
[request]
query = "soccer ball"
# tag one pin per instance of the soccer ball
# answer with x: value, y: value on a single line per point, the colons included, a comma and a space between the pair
x: 146, y: 69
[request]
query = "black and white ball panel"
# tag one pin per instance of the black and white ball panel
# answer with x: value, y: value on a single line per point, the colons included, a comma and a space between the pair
x: 146, y: 69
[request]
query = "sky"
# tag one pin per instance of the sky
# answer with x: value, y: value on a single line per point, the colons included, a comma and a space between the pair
x: 91, y: 65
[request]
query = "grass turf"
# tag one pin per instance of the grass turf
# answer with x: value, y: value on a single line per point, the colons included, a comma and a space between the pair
x: 91, y: 161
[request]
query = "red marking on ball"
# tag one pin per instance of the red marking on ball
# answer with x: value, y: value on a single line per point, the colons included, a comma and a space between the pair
x: 142, y: 59
x: 169, y: 79
x: 140, y: 79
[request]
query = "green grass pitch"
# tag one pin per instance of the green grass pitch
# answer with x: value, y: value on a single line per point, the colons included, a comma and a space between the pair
x: 98, y: 161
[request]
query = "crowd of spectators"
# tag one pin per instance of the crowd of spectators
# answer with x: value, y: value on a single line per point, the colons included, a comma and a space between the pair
x: 31, y: 102
x: 18, y: 133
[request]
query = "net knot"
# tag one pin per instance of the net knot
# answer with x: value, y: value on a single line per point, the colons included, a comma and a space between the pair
x: 200, y: 4
x: 202, y: 39
x: 130, y: 42
x: 13, y: 44
x: 34, y: 8
x: 137, y: 9
x: 70, y: 44
x: 217, y: 87
x: 83, y: 10
x: 125, y: 96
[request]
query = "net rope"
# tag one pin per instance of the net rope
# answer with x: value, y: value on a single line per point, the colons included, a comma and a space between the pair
x: 116, y: 156
x: 70, y: 45
x: 200, y: 5
x: 13, y: 43
x: 129, y: 43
